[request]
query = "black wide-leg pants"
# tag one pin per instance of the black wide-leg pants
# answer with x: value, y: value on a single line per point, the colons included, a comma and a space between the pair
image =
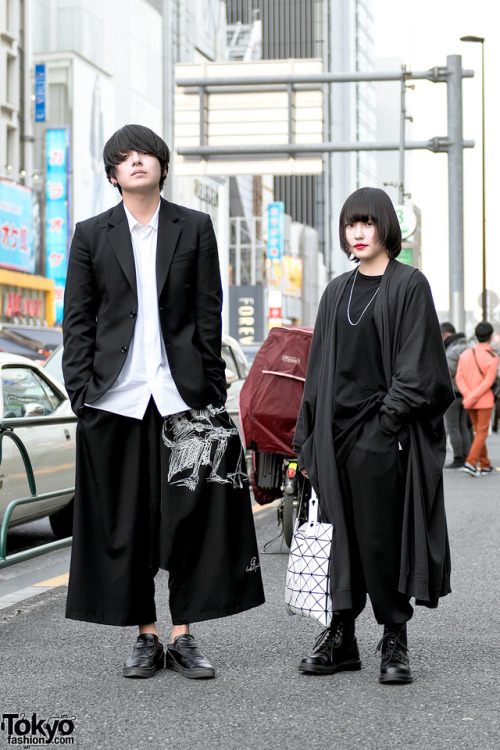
x: 134, y: 514
x: 372, y: 480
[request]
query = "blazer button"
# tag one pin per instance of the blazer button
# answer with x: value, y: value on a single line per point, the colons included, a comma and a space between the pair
x: 133, y: 314
x: 124, y: 349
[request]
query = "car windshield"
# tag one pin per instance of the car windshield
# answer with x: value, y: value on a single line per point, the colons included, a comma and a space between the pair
x: 23, y: 387
x: 54, y: 365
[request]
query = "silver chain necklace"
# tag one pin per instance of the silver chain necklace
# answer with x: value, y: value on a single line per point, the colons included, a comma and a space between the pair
x: 350, y: 298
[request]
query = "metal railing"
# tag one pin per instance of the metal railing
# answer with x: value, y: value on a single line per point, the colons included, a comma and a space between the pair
x: 7, y: 427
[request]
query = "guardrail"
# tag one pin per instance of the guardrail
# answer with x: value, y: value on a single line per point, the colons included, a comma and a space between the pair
x: 7, y: 427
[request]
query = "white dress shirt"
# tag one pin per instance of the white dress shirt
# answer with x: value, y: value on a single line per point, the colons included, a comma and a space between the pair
x: 146, y: 371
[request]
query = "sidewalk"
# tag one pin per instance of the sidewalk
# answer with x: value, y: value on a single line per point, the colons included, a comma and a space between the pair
x: 71, y: 671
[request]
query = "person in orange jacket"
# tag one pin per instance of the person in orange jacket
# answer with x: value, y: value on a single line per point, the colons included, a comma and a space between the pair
x: 476, y: 373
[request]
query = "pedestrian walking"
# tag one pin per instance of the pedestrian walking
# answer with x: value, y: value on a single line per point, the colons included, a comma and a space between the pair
x: 371, y: 438
x: 476, y: 372
x: 456, y: 419
x: 160, y: 472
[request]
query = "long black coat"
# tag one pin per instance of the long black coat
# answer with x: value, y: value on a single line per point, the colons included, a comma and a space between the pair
x: 418, y: 393
x: 100, y: 304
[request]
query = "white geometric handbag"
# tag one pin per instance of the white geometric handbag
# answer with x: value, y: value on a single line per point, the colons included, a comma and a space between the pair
x: 307, y: 589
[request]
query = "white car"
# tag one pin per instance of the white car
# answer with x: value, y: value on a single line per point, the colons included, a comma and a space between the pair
x: 27, y: 390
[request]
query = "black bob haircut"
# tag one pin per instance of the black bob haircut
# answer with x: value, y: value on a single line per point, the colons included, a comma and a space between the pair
x: 371, y: 204
x: 483, y: 331
x: 135, y: 138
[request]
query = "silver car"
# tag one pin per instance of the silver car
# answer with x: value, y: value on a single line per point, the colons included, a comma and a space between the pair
x: 27, y: 390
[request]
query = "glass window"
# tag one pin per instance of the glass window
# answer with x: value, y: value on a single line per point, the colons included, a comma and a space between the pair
x: 22, y: 386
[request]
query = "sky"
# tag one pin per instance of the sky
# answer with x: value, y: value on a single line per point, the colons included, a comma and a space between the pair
x: 422, y: 33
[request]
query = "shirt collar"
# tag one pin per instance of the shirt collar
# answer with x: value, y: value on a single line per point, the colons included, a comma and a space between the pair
x: 133, y: 223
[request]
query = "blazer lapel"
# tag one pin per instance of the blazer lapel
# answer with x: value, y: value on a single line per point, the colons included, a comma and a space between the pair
x: 168, y: 237
x: 121, y: 242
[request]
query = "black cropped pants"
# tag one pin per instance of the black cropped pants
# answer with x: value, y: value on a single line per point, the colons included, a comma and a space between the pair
x: 372, y: 481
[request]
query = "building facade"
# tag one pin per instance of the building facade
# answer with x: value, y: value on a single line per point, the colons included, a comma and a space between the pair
x: 339, y: 33
x: 25, y: 295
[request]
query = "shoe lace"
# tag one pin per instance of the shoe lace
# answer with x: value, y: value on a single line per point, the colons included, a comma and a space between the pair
x: 326, y: 640
x: 389, y: 645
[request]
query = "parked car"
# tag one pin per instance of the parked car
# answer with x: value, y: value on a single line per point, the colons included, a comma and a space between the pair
x: 34, y: 342
x: 27, y: 390
x: 237, y: 368
x: 236, y: 362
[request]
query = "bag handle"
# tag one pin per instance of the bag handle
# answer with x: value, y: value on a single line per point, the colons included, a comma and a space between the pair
x: 312, y: 516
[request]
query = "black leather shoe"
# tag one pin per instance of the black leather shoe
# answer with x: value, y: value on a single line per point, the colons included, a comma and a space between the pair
x: 395, y: 664
x: 184, y: 656
x: 147, y: 657
x: 336, y: 650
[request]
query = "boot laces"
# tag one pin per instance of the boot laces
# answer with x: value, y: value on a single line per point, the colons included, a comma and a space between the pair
x: 329, y: 638
x: 390, y: 646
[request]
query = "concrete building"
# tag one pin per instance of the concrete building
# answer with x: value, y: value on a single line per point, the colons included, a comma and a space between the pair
x: 25, y: 296
x: 337, y: 32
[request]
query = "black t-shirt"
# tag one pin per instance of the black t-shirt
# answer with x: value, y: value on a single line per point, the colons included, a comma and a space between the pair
x: 359, y: 373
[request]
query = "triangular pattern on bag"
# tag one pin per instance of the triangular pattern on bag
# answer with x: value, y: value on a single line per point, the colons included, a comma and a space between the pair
x: 308, y: 575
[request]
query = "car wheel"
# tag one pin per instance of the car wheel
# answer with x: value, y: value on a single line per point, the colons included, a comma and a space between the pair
x: 62, y: 522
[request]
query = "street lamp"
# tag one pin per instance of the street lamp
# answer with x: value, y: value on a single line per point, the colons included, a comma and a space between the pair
x: 484, y: 300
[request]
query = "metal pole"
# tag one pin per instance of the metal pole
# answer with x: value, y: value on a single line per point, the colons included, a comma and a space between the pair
x: 402, y: 140
x: 484, y: 294
x: 455, y: 191
x: 284, y: 149
x: 168, y: 91
x: 435, y: 75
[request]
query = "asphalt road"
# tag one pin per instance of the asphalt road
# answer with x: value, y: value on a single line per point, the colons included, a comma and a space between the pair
x: 57, y: 668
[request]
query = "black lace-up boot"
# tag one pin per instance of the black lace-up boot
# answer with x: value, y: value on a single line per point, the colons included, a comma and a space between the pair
x: 336, y: 650
x: 395, y: 664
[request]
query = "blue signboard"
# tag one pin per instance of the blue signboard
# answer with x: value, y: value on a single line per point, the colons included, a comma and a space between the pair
x: 16, y: 239
x: 57, y: 211
x: 40, y: 93
x: 275, y: 230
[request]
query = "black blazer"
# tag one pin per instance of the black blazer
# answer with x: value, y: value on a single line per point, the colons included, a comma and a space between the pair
x: 100, y: 304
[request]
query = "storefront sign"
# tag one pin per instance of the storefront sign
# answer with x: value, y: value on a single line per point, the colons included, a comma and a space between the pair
x: 275, y: 230
x: 406, y: 256
x: 16, y: 242
x: 293, y: 276
x: 207, y: 191
x: 247, y: 313
x: 57, y: 211
x: 20, y: 306
x: 407, y: 220
x: 40, y: 93
x: 274, y: 273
